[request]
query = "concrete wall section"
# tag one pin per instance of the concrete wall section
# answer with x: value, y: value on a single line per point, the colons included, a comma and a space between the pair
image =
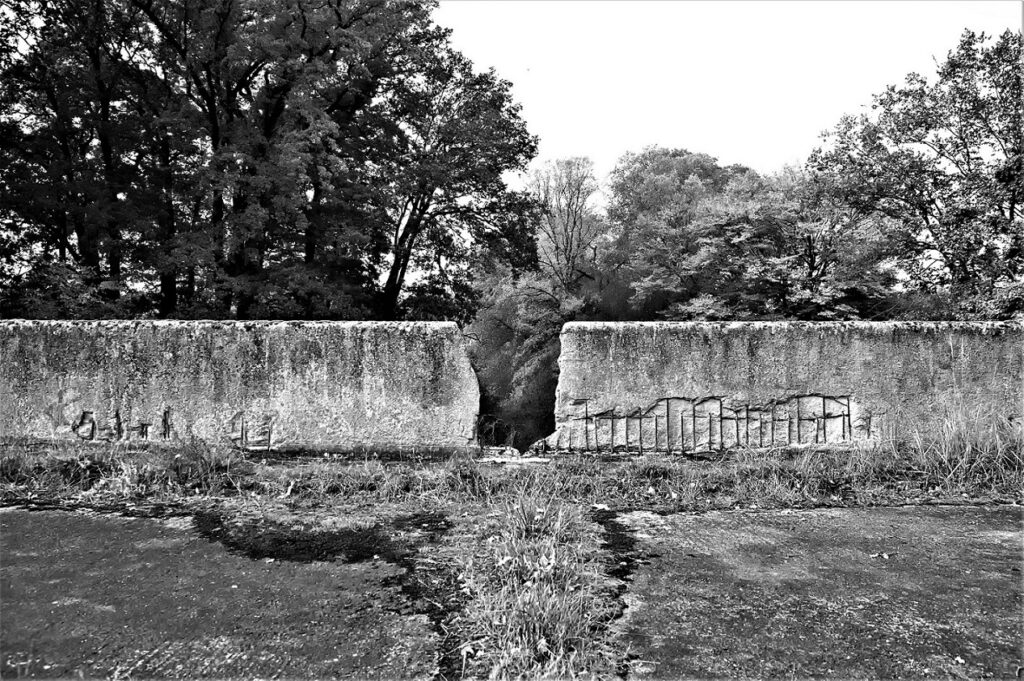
x: 338, y: 385
x: 706, y: 386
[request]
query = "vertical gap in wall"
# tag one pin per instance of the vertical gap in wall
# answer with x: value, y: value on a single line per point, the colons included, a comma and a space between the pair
x: 693, y: 424
x: 668, y: 425
x: 721, y: 424
x: 849, y: 419
x: 824, y: 419
x: 586, y: 425
x: 682, y: 431
x: 641, y: 438
x: 799, y: 416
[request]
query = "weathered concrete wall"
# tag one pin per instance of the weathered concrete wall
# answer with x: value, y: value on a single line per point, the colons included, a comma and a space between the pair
x: 338, y: 385
x: 701, y: 386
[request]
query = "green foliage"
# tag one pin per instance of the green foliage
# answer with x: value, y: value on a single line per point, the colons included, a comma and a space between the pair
x: 536, y: 606
x: 944, y: 160
x: 759, y: 248
x: 567, y: 239
x: 261, y: 158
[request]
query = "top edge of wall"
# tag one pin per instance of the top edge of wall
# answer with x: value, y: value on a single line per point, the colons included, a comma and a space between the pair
x: 603, y: 327
x: 216, y: 323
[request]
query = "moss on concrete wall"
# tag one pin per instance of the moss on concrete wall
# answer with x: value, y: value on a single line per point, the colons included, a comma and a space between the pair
x: 340, y: 385
x: 714, y: 385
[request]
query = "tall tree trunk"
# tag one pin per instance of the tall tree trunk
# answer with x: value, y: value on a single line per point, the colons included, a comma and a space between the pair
x: 169, y: 272
x: 104, y: 135
x: 62, y: 236
x: 403, y: 249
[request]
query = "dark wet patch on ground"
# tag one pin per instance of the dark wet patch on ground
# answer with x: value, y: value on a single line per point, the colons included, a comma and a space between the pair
x: 126, y: 509
x: 430, y: 588
x: 433, y: 523
x: 432, y: 591
x: 263, y: 538
x: 624, y: 556
x: 620, y: 543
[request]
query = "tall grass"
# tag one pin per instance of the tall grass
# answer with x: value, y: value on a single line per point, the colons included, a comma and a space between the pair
x: 971, y: 450
x: 536, y: 604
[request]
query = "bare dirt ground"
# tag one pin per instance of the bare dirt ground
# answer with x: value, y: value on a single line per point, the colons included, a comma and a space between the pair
x: 341, y: 592
x: 912, y: 592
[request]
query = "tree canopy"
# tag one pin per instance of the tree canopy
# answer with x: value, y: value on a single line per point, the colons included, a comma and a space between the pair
x: 248, y: 158
x: 944, y: 159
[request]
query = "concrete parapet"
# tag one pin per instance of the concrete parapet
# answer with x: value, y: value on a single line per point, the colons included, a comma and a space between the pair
x: 258, y: 385
x: 680, y: 386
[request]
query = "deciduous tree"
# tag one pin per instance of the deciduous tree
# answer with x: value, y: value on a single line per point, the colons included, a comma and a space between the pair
x: 945, y: 159
x: 569, y: 226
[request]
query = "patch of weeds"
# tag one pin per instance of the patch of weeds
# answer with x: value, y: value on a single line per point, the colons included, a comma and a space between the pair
x: 104, y: 474
x: 51, y: 475
x: 537, y: 603
x: 976, y: 458
x: 468, y: 480
x: 204, y: 469
x: 972, y: 451
x: 459, y: 479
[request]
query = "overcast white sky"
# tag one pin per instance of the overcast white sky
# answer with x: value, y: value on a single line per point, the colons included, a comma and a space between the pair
x: 748, y: 82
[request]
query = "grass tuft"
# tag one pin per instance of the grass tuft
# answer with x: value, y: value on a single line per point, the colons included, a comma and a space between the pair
x: 536, y: 605
x: 971, y: 450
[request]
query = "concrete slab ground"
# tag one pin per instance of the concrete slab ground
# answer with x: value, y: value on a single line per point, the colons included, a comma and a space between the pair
x: 345, y: 592
x: 912, y: 592
x: 87, y: 595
